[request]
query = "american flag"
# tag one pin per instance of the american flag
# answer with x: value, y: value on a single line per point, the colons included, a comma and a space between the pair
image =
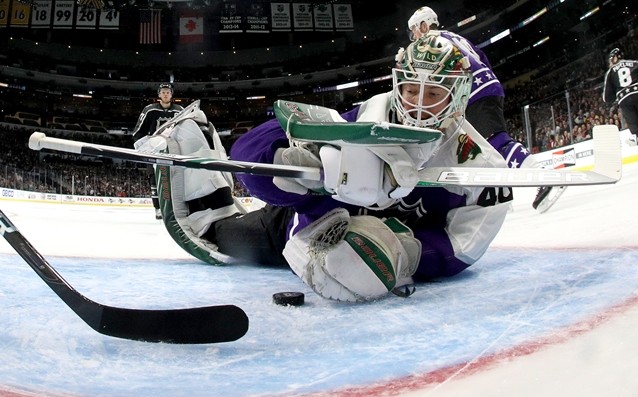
x: 150, y: 26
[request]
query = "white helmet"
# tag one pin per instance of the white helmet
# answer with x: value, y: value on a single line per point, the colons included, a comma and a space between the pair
x: 423, y: 14
x: 430, y: 69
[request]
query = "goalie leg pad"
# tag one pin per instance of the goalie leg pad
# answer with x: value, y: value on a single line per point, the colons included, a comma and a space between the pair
x: 207, y: 195
x: 194, y: 199
x: 353, y: 259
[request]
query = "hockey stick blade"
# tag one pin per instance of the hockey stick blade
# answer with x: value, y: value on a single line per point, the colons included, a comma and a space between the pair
x: 39, y: 141
x: 607, y: 169
x: 210, y: 324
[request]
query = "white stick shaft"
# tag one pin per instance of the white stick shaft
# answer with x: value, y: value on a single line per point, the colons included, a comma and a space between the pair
x: 607, y: 165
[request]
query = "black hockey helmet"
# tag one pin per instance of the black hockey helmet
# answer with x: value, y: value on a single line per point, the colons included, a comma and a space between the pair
x: 616, y: 52
x: 164, y: 85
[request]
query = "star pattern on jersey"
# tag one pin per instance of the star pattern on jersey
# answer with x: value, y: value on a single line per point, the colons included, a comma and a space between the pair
x: 514, y: 163
x: 483, y: 77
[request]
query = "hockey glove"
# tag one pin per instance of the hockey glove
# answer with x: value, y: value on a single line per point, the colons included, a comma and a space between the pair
x: 305, y: 155
x: 370, y: 177
x: 353, y: 259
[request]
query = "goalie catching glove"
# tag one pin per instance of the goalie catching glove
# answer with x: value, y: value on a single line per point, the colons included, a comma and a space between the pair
x: 366, y: 176
x: 353, y: 259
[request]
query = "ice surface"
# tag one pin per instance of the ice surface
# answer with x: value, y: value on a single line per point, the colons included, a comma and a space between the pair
x: 546, y: 281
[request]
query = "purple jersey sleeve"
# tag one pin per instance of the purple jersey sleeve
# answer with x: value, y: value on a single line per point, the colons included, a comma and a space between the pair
x: 484, y: 81
x: 432, y: 213
x: 259, y: 146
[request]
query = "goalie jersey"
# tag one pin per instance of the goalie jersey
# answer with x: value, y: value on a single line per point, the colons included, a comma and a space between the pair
x: 454, y: 224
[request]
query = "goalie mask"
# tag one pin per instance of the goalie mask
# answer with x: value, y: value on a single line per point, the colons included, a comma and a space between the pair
x: 431, y: 82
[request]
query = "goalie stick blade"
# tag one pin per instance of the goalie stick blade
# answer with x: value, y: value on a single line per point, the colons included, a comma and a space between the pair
x: 607, y: 169
x: 210, y: 324
x: 312, y: 123
x: 607, y: 151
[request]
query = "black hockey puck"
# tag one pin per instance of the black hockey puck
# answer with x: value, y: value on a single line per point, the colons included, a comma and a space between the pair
x: 288, y: 298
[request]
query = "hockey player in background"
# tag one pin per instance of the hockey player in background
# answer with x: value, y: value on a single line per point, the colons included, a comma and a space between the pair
x: 153, y: 116
x: 360, y: 244
x: 485, y: 106
x: 621, y: 84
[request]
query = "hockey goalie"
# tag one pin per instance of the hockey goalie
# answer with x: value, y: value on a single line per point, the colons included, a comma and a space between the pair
x: 364, y: 230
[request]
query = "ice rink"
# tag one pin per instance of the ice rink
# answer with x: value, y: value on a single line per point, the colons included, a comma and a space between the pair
x: 551, y: 309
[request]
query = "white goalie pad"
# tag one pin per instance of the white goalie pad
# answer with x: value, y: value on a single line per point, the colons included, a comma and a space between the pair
x: 353, y: 259
x: 370, y: 177
x: 402, y: 168
x: 187, y: 138
x: 353, y: 174
x: 185, y: 188
x: 199, y: 182
x: 150, y: 143
x: 303, y: 154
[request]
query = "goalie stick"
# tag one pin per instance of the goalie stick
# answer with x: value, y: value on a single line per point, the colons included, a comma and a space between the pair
x: 39, y: 141
x: 606, y: 170
x: 210, y: 324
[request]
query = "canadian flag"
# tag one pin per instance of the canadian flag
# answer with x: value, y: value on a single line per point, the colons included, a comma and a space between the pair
x: 191, y: 28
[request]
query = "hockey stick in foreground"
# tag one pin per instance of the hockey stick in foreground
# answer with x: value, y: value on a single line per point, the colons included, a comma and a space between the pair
x: 607, y: 164
x: 209, y: 324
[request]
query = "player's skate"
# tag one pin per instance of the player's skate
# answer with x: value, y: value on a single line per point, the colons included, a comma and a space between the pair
x: 158, y: 213
x: 547, y: 197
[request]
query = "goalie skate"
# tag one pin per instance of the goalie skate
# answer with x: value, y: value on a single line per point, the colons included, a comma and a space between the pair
x: 543, y: 204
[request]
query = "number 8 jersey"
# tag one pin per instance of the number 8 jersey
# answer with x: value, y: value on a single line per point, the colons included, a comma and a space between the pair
x: 621, y: 81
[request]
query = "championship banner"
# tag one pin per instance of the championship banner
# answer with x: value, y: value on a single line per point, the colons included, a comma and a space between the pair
x: 41, y: 14
x: 63, y: 14
x: 323, y: 18
x: 230, y: 18
x: 191, y: 28
x: 109, y: 19
x: 4, y: 13
x: 302, y: 16
x: 257, y: 18
x: 343, y: 17
x: 281, y: 17
x: 20, y: 15
x: 86, y: 18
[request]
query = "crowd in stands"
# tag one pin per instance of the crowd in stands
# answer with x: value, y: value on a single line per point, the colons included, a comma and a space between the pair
x: 564, y: 104
x: 39, y: 171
